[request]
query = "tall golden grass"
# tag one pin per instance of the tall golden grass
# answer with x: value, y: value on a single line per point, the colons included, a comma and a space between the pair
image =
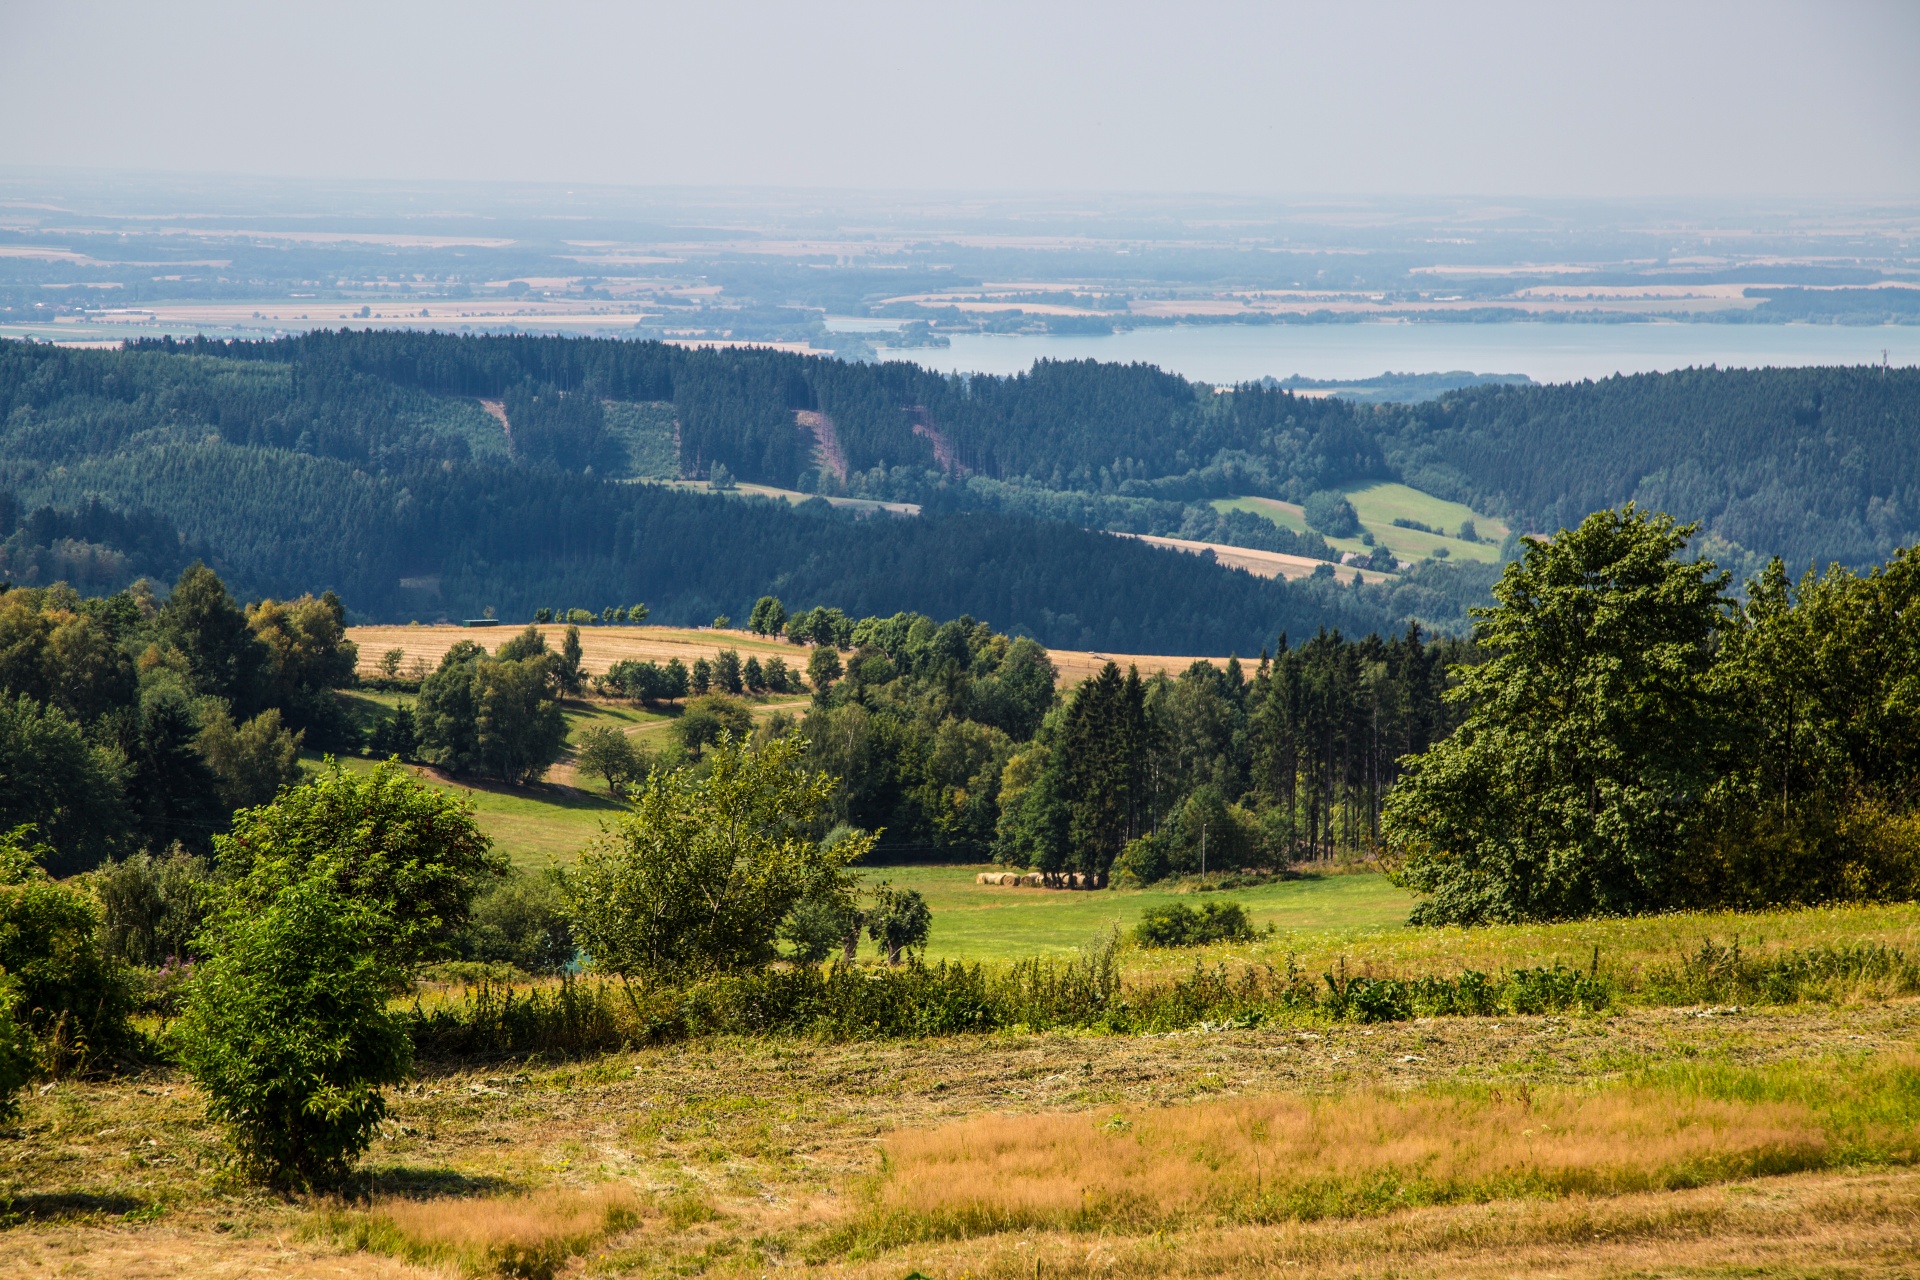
x: 1261, y: 1160
x: 529, y: 1236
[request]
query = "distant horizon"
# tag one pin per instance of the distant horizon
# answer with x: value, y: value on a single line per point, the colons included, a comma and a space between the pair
x: 1295, y: 198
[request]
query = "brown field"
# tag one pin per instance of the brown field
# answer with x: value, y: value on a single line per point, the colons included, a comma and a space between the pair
x: 601, y: 647
x: 1262, y: 564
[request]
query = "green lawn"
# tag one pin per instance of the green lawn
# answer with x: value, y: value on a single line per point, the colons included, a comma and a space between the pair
x: 1378, y: 505
x: 991, y: 922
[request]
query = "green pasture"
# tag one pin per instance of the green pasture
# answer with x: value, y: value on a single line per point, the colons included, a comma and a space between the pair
x: 1378, y: 505
x: 974, y: 921
x: 547, y: 823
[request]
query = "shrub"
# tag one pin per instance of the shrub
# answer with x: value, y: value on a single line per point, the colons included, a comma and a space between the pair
x: 699, y: 876
x: 152, y: 906
x: 288, y: 1033
x: 899, y: 921
x: 522, y: 920
x: 16, y: 1049
x: 1178, y: 925
x: 821, y: 923
x: 70, y: 996
x: 1144, y: 861
x: 409, y: 853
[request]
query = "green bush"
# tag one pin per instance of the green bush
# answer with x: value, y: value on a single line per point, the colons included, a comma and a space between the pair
x: 1178, y: 925
x: 16, y: 1049
x: 522, y: 920
x: 411, y: 854
x: 698, y: 877
x: 1146, y: 860
x: 152, y: 906
x: 900, y: 921
x: 825, y: 921
x: 71, y: 997
x: 288, y: 1033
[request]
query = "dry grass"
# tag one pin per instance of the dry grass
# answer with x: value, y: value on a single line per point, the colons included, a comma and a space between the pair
x: 1856, y: 1226
x: 1290, y: 1158
x: 530, y: 1236
x: 754, y: 1149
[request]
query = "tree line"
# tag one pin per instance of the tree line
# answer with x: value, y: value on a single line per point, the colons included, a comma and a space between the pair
x: 1640, y: 738
x: 128, y: 722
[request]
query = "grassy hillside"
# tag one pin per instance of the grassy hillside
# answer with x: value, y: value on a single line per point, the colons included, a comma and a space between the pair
x: 1378, y: 504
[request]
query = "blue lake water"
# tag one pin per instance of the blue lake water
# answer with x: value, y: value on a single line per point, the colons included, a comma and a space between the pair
x: 1546, y: 352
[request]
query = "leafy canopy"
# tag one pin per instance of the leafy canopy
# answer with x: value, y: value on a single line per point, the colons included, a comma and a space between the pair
x: 1576, y: 781
x: 699, y: 876
x: 410, y: 854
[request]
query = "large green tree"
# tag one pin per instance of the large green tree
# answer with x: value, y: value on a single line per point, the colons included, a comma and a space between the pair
x: 53, y: 779
x: 223, y: 656
x: 1577, y: 780
x: 1102, y: 756
x: 698, y: 877
x: 482, y: 715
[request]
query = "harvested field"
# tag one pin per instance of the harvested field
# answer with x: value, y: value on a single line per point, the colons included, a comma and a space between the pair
x: 744, y: 1155
x: 601, y: 647
x: 1262, y: 564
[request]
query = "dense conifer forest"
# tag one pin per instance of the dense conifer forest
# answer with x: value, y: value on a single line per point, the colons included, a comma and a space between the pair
x: 422, y: 475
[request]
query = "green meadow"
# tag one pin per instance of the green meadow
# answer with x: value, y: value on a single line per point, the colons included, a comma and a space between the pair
x: 1378, y: 506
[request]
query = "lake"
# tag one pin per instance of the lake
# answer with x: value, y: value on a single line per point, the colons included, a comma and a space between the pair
x: 1546, y: 352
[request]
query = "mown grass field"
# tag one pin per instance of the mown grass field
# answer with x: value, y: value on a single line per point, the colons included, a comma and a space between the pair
x: 990, y: 922
x: 1775, y: 1143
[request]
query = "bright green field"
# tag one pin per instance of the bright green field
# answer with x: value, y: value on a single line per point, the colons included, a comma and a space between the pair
x: 991, y: 922
x: 547, y: 823
x: 538, y: 826
x: 1377, y: 506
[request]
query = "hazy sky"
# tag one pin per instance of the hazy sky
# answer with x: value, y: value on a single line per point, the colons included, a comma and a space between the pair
x: 1548, y: 99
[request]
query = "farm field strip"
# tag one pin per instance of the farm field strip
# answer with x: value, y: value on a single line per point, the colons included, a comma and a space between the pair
x: 1378, y: 505
x: 1262, y: 564
x: 602, y: 646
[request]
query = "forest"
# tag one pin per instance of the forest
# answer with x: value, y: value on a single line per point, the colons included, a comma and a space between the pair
x: 421, y: 475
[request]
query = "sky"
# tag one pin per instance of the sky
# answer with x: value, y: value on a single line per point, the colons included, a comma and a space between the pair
x: 1548, y: 100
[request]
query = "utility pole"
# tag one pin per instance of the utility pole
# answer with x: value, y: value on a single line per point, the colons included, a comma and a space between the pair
x: 1203, y: 851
